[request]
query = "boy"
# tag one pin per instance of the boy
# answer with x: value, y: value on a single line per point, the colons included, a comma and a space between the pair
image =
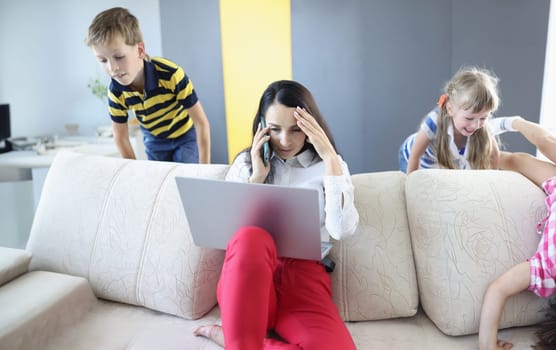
x: 174, y: 124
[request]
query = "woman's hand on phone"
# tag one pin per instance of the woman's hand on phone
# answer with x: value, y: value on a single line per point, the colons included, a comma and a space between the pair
x: 260, y: 171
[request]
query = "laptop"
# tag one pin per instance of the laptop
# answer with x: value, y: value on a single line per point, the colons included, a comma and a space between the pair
x: 216, y: 209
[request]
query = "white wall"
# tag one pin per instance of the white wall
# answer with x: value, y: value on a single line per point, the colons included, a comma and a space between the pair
x: 548, y: 105
x: 16, y: 214
x: 45, y: 65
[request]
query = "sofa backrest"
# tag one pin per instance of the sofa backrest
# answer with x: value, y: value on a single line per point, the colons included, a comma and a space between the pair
x: 119, y: 224
x: 375, y: 274
x: 467, y: 228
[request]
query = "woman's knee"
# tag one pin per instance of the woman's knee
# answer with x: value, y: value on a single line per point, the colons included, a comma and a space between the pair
x: 250, y: 242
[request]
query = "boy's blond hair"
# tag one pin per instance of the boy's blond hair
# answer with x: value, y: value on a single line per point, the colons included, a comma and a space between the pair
x: 475, y: 89
x: 114, y: 21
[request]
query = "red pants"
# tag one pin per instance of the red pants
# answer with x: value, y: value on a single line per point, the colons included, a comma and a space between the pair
x: 257, y: 292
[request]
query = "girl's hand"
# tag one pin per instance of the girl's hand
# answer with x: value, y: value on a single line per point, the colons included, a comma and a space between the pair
x: 317, y: 137
x: 260, y: 171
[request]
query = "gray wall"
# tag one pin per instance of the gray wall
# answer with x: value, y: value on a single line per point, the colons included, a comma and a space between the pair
x: 509, y: 37
x: 191, y: 37
x: 376, y: 67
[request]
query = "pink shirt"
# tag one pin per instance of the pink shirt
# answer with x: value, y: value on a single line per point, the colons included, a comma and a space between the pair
x: 543, y: 263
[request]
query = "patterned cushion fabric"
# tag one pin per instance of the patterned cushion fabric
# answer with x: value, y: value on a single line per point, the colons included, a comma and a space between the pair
x: 375, y: 276
x: 120, y: 224
x: 467, y: 228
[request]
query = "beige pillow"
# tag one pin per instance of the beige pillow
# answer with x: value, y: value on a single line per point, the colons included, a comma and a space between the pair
x: 120, y: 224
x: 467, y: 228
x: 375, y: 276
x: 13, y: 262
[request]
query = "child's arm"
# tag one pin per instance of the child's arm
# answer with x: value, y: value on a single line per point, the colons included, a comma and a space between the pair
x: 533, y: 168
x: 417, y: 150
x: 202, y: 129
x: 121, y: 137
x: 538, y: 135
x: 513, y: 281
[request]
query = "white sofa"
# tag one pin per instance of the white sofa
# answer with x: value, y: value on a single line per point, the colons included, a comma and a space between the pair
x: 110, y: 263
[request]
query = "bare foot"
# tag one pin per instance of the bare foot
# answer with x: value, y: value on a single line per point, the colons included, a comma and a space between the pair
x: 503, y: 345
x: 212, y: 332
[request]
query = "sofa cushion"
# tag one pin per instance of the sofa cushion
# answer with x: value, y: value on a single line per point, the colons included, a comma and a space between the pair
x: 13, y: 262
x: 115, y: 326
x: 40, y: 305
x: 375, y: 275
x: 120, y: 224
x: 467, y: 228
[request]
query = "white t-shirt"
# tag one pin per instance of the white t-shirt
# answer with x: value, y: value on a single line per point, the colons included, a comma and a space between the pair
x: 307, y: 170
x: 429, y: 159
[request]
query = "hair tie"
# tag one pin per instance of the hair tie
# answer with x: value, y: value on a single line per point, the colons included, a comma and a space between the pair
x: 442, y: 100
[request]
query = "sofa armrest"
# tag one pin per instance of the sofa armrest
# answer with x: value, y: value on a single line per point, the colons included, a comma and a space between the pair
x: 13, y: 262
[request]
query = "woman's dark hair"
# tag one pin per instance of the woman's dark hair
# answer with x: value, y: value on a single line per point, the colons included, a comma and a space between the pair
x: 290, y: 94
x: 546, y: 330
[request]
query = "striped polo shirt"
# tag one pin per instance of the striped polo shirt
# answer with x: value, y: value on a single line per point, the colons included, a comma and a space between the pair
x: 429, y: 160
x: 161, y: 109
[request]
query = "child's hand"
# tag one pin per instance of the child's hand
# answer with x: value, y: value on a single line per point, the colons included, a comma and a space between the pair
x: 260, y: 171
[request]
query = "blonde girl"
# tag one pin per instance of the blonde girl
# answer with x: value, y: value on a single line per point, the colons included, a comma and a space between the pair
x: 452, y: 135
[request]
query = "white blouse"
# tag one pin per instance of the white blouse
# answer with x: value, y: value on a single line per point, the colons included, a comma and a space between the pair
x: 307, y: 170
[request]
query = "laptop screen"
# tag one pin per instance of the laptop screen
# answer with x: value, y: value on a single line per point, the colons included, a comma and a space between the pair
x: 216, y: 209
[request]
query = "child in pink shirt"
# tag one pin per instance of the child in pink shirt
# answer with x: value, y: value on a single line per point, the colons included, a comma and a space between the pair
x: 539, y: 272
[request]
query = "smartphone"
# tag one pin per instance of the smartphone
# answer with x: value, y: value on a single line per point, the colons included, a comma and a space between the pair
x: 266, y: 146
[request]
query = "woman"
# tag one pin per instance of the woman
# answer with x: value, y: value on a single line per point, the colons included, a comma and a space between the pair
x: 258, y: 291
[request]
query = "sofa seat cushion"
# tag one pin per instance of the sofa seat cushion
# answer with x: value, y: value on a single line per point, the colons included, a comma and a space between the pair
x: 115, y: 326
x: 120, y: 224
x: 13, y: 262
x: 467, y: 228
x: 420, y: 333
x: 38, y: 305
x: 375, y: 275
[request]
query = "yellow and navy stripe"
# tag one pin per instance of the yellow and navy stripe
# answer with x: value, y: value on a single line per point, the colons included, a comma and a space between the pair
x: 162, y: 108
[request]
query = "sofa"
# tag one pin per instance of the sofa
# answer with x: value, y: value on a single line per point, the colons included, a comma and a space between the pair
x: 110, y: 263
